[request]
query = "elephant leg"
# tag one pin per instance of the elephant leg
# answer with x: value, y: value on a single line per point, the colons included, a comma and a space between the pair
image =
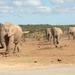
x: 16, y: 48
x: 54, y: 40
x: 9, y: 42
x: 57, y: 40
x: 6, y: 43
x: 2, y: 45
x: 48, y: 37
x: 69, y: 35
x: 2, y: 42
x: 73, y: 36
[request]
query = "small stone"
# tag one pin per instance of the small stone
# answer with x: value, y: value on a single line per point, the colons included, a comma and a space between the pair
x: 59, y: 60
x: 35, y: 61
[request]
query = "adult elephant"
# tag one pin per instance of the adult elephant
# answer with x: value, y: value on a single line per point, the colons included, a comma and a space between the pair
x: 71, y: 32
x: 56, y: 33
x: 1, y: 36
x: 12, y: 34
x: 48, y: 34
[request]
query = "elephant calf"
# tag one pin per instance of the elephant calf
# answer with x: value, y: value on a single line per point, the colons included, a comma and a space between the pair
x: 56, y: 33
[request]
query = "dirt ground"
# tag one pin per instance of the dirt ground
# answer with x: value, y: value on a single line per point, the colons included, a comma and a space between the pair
x: 36, y: 53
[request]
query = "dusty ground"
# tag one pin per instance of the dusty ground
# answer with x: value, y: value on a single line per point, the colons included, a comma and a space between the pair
x: 40, y: 53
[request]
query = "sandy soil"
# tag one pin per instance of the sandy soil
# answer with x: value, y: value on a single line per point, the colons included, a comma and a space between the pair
x: 41, y: 53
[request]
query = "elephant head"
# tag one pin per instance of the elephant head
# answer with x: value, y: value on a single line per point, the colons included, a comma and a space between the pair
x: 10, y: 27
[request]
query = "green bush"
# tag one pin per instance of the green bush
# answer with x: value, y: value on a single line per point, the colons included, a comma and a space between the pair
x: 41, y: 27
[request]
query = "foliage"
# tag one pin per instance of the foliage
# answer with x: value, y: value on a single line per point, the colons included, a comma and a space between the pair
x: 41, y: 27
x: 34, y: 28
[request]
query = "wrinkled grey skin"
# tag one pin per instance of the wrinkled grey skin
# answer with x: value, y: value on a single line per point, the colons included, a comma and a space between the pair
x: 10, y: 38
x: 56, y: 33
x: 48, y: 34
x: 71, y: 32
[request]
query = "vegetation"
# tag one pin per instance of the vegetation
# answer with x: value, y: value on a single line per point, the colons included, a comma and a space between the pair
x: 38, y: 31
x: 41, y: 27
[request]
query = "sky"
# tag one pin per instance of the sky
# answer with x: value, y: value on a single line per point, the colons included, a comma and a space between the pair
x: 52, y: 12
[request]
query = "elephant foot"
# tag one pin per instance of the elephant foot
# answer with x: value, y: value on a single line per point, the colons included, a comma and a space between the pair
x: 56, y: 46
x: 14, y: 54
x: 57, y: 42
x: 16, y: 51
x: 5, y: 55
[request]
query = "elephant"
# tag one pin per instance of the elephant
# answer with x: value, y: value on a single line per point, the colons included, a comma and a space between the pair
x: 1, y: 37
x: 48, y: 34
x: 71, y: 32
x: 57, y: 34
x: 12, y: 34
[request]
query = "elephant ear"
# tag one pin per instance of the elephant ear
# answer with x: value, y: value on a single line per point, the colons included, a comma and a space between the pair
x: 11, y: 31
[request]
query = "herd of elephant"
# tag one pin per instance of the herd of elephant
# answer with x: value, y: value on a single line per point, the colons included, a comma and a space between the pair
x: 55, y: 33
x: 9, y: 34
